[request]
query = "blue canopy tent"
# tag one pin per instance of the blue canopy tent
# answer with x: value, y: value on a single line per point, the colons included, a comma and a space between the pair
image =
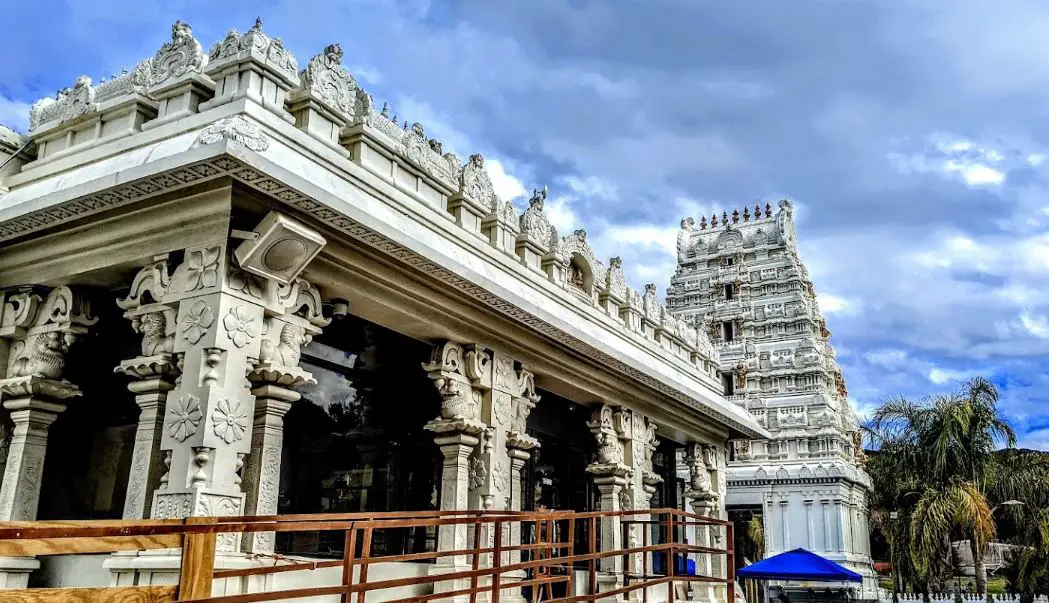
x: 799, y: 564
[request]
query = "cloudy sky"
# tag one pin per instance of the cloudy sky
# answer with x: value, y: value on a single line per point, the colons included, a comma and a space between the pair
x: 912, y: 136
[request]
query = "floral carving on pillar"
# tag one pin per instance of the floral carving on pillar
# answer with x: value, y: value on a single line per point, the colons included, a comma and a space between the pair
x: 229, y: 420
x: 197, y: 321
x: 240, y: 326
x: 185, y: 416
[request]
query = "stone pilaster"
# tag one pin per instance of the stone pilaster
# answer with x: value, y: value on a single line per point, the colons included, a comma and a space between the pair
x: 702, y: 495
x: 638, y: 434
x: 486, y: 398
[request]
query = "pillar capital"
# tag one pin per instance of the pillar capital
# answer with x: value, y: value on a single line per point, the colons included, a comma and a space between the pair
x: 700, y: 490
x: 610, y: 460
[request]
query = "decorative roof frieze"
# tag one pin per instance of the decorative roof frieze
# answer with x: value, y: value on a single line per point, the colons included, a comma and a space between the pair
x: 178, y: 79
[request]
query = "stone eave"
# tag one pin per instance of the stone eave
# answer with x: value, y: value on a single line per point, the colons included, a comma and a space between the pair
x: 299, y: 170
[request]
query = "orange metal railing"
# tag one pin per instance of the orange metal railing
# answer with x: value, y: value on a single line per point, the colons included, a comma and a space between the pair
x: 539, y: 568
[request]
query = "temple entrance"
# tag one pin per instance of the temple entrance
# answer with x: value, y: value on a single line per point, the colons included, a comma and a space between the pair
x: 355, y: 441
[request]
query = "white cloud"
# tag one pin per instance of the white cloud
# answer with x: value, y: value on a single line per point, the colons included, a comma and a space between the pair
x: 506, y: 185
x: 559, y: 211
x: 832, y: 304
x: 940, y: 376
x: 592, y: 186
x: 368, y: 75
x: 14, y: 114
x: 1037, y: 325
x: 975, y: 174
x: 646, y: 236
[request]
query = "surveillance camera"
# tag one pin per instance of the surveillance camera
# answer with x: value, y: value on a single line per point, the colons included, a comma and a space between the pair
x: 339, y: 308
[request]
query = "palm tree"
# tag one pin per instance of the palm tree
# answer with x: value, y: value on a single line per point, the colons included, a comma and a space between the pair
x: 946, y: 444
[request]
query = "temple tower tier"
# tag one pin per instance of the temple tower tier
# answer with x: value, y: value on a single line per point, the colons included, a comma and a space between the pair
x: 740, y: 281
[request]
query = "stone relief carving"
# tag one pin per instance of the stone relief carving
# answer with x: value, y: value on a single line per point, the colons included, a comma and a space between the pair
x: 212, y: 505
x: 683, y: 237
x: 327, y: 80
x: 699, y: 485
x: 238, y: 129
x: 185, y: 416
x: 616, y: 279
x: 69, y: 103
x: 478, y: 473
x: 255, y: 42
x: 197, y: 321
x: 610, y: 451
x: 51, y: 325
x: 157, y: 330
x: 182, y: 55
x: 475, y: 183
x: 229, y: 420
x: 534, y: 225
x: 240, y: 326
x: 287, y: 350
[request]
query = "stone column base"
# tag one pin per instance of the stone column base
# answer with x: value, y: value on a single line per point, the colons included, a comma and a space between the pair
x: 14, y: 571
x: 161, y: 567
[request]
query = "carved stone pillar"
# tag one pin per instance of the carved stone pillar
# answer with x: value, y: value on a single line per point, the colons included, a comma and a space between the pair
x: 40, y: 327
x: 221, y: 318
x: 610, y: 476
x: 486, y: 401
x: 154, y: 374
x: 273, y: 381
x: 458, y: 431
x: 37, y: 327
x: 639, y: 439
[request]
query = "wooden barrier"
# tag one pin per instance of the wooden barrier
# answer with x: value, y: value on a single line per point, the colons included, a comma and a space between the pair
x: 544, y: 563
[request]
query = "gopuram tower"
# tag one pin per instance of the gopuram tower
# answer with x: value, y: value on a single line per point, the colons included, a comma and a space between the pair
x: 740, y: 278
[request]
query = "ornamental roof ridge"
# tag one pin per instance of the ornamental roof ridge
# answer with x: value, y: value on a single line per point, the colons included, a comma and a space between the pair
x: 182, y: 67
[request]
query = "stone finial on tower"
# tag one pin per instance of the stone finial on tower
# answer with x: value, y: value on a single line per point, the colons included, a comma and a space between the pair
x: 702, y: 222
x: 768, y: 210
x: 714, y: 220
x: 757, y: 211
x: 735, y: 216
x: 746, y: 214
x: 724, y: 218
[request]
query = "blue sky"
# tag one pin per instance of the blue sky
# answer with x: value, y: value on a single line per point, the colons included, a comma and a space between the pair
x: 913, y: 137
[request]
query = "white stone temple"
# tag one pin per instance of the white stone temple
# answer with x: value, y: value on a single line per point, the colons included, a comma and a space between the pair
x: 233, y: 283
x: 739, y: 277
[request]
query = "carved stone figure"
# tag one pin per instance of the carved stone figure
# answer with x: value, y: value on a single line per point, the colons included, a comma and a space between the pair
x: 156, y: 338
x: 683, y: 237
x: 288, y: 348
x: 181, y: 55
